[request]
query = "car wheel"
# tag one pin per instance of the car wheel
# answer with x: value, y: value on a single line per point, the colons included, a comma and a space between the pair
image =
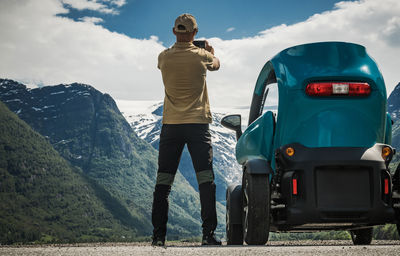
x: 234, y: 232
x: 361, y: 236
x: 256, y: 208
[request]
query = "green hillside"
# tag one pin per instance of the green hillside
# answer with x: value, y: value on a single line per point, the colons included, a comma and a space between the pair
x: 87, y: 129
x: 43, y: 198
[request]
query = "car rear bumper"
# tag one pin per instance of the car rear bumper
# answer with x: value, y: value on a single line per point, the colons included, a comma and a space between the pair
x: 335, y: 188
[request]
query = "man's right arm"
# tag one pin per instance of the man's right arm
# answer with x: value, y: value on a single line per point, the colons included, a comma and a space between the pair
x: 215, y: 65
x: 215, y: 61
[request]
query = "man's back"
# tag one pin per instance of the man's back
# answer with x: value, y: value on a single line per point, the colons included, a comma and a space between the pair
x: 183, y: 69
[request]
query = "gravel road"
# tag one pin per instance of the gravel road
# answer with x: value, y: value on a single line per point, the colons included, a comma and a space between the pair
x: 386, y: 248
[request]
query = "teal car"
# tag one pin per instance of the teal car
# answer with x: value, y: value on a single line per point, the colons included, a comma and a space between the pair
x: 316, y: 152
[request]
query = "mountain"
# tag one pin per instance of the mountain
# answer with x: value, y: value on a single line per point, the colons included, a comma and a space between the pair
x: 394, y: 110
x: 86, y: 127
x: 43, y: 198
x: 394, y: 103
x: 396, y: 135
x: 146, y: 119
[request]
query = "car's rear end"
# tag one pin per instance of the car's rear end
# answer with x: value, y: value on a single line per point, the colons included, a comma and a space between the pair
x: 333, y: 187
x: 331, y: 143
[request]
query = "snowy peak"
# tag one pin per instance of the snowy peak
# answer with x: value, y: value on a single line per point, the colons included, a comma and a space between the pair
x: 145, y: 117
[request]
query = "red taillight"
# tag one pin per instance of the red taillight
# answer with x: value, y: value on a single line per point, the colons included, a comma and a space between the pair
x: 359, y: 89
x: 294, y: 184
x: 338, y: 88
x: 319, y: 89
x: 386, y: 188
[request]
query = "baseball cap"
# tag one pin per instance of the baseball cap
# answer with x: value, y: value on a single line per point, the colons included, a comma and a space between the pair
x: 185, y: 23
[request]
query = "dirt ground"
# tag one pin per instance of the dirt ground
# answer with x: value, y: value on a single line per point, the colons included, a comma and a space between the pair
x: 381, y: 248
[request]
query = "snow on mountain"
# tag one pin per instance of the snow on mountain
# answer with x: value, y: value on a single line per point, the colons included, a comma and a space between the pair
x: 145, y: 117
x: 139, y: 115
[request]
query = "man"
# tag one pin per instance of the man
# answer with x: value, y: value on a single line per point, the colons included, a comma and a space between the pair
x: 186, y: 119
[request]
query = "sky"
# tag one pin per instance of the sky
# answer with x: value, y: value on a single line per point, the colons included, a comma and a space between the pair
x: 225, y: 19
x: 113, y: 44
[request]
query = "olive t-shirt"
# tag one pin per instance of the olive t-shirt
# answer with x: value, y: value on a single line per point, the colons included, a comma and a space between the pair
x: 183, y: 68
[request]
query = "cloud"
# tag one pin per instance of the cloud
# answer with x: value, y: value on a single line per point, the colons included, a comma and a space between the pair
x: 230, y: 29
x: 93, y: 20
x: 39, y: 46
x: 95, y: 5
x: 392, y: 31
x: 118, y: 3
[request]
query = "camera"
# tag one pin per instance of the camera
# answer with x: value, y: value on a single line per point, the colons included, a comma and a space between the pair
x: 200, y: 43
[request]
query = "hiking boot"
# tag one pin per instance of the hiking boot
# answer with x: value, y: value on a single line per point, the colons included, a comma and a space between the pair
x: 157, y: 241
x: 210, y: 240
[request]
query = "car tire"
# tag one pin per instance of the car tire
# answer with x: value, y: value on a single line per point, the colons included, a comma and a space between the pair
x: 234, y: 231
x: 256, y: 208
x: 361, y: 236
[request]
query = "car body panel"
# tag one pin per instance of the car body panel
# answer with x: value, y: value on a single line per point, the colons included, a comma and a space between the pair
x: 257, y: 142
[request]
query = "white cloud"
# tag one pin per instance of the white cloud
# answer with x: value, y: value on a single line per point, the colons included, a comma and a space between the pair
x: 230, y: 29
x: 118, y: 3
x: 95, y: 5
x: 93, y: 20
x: 43, y: 48
x: 39, y: 47
x: 392, y: 31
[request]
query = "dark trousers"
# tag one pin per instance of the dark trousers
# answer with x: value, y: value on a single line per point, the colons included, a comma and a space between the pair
x: 172, y: 141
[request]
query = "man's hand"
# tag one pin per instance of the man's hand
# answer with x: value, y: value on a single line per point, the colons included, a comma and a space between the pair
x: 209, y: 48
